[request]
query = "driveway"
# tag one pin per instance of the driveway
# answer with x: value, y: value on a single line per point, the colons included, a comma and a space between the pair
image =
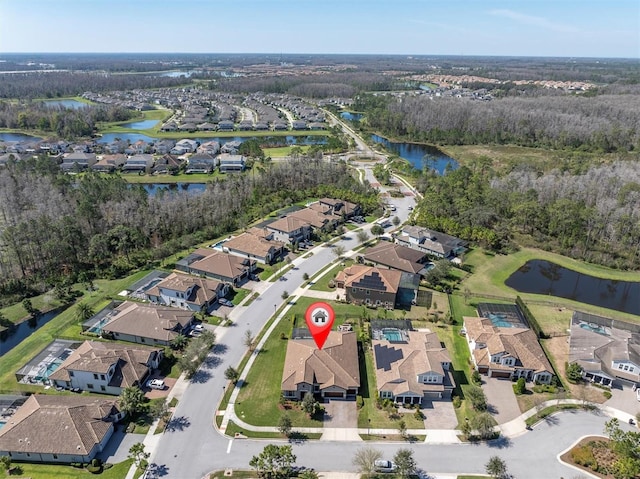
x: 117, y: 449
x: 624, y: 398
x: 159, y: 393
x: 340, y: 414
x: 439, y: 415
x: 501, y: 400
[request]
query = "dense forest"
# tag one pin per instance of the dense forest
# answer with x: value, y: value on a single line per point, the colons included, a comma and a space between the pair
x: 602, y: 123
x: 54, y: 227
x: 62, y: 122
x: 594, y: 216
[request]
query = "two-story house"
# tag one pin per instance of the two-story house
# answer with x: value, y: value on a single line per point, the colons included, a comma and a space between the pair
x: 430, y: 242
x: 506, y: 352
x: 77, y: 161
x: 106, y: 368
x: 187, y: 292
x: 201, y: 163
x: 230, y: 163
x: 216, y: 265
x: 370, y: 285
x: 411, y: 366
x: 257, y: 243
x: 138, y: 163
x: 290, y: 230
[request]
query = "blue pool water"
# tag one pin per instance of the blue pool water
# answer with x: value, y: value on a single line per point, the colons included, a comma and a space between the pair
x: 595, y: 328
x: 97, y: 328
x: 2, y: 423
x: 500, y: 321
x: 392, y: 334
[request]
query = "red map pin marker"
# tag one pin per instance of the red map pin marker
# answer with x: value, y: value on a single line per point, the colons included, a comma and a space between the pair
x: 320, y: 318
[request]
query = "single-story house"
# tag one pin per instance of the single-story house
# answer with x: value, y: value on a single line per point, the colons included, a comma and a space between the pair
x: 147, y: 324
x: 78, y: 161
x: 506, y: 352
x: 138, y: 163
x: 216, y: 265
x: 412, y: 368
x: 607, y: 350
x: 106, y: 368
x: 187, y: 292
x: 109, y: 163
x: 397, y: 257
x: 255, y: 246
x: 167, y: 164
x: 59, y: 429
x: 330, y: 372
x: 431, y: 242
x: 341, y: 208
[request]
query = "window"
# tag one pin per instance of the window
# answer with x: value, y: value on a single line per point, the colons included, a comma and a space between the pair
x: 71, y: 373
x: 626, y: 368
x: 102, y: 388
x: 95, y: 376
x: 102, y: 377
x: 55, y: 456
x: 89, y: 386
x: 620, y: 366
x: 142, y: 340
x: 368, y: 292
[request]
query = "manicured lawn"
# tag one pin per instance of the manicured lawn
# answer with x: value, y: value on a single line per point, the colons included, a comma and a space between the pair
x: 49, y: 471
x: 233, y: 428
x: 238, y: 294
x: 257, y: 402
x: 179, y: 178
x: 44, y: 302
x: 552, y: 319
x: 62, y: 325
x: 282, y: 151
x: 322, y: 283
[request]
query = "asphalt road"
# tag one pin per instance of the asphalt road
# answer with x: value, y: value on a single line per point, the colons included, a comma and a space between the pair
x: 193, y: 447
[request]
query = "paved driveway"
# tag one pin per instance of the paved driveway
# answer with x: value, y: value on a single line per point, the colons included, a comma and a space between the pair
x: 501, y: 399
x: 117, y: 449
x: 439, y: 415
x: 340, y: 414
x: 625, y: 400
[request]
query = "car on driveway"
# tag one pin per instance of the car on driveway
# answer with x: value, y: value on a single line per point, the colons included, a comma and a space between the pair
x: 225, y: 302
x: 638, y: 394
x: 155, y: 384
x: 198, y: 327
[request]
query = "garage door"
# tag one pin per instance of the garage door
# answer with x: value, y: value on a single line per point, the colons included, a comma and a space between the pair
x: 333, y: 395
x: 501, y: 374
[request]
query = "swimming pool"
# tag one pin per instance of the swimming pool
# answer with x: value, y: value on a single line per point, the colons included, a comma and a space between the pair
x: 97, y: 328
x: 150, y: 285
x: 2, y: 423
x: 48, y: 369
x: 595, y: 328
x: 391, y: 334
x: 500, y: 320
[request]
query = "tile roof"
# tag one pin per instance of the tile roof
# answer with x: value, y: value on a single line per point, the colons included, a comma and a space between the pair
x: 288, y: 224
x: 98, y: 357
x: 252, y: 244
x: 370, y: 277
x: 336, y: 364
x: 398, y: 364
x: 203, y: 292
x: 220, y: 264
x: 395, y: 256
x: 58, y: 425
x: 148, y: 321
x: 520, y: 343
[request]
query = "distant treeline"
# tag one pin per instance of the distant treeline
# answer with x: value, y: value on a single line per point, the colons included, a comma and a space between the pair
x: 62, y: 122
x: 600, y: 123
x: 64, y: 84
x: 54, y: 227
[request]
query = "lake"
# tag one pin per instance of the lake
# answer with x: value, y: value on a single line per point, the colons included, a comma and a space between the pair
x: 543, y: 277
x: 141, y: 125
x: 347, y: 115
x: 24, y: 329
x: 192, y: 188
x: 18, y: 137
x: 419, y: 155
x: 289, y: 139
x: 71, y: 104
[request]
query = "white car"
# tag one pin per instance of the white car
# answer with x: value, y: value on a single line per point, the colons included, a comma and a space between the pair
x: 384, y: 466
x: 638, y: 394
x: 155, y: 384
x: 198, y: 327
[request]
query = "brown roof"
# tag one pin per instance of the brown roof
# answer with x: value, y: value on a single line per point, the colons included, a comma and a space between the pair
x: 97, y: 357
x: 311, y: 216
x: 395, y: 256
x: 520, y: 343
x: 421, y: 354
x: 288, y: 224
x: 220, y: 264
x: 253, y: 245
x: 58, y: 425
x: 339, y: 207
x: 203, y: 292
x: 357, y: 275
x: 148, y: 321
x: 336, y: 364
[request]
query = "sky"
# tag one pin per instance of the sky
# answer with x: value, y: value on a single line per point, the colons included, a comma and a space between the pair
x: 564, y: 28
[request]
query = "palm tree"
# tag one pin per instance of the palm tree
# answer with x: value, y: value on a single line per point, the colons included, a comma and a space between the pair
x: 84, y: 312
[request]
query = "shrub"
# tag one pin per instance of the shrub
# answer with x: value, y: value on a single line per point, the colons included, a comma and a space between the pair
x: 519, y: 387
x: 457, y: 402
x: 475, y: 377
x: 583, y: 456
x: 419, y: 415
x: 359, y: 402
x: 606, y: 394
